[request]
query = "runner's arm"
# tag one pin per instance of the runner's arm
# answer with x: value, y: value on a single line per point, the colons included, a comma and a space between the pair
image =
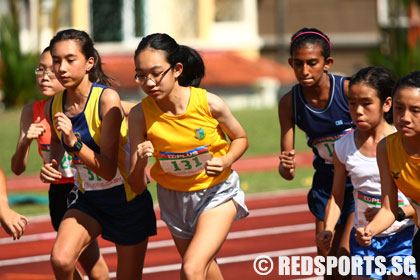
x: 389, y: 206
x: 287, y: 163
x: 23, y: 145
x: 140, y: 149
x: 336, y: 201
x: 230, y: 125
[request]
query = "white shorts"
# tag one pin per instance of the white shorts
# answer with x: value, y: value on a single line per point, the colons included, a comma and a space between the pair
x: 181, y: 210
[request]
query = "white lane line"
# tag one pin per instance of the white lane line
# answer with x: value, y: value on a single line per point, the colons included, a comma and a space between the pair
x: 270, y: 231
x: 252, y: 214
x: 297, y: 208
x: 29, y: 238
x: 232, y: 259
x: 169, y: 243
x: 45, y: 236
x: 232, y: 235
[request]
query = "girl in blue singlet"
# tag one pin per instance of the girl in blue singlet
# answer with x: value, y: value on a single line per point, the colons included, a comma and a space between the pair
x: 87, y: 120
x: 318, y: 106
x: 33, y: 125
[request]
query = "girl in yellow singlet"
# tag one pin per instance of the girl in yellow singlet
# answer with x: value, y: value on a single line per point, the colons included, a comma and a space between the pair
x: 398, y: 157
x: 184, y: 128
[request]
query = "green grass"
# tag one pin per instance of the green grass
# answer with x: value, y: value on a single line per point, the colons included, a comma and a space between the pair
x: 272, y: 181
x: 263, y: 131
x: 9, y: 128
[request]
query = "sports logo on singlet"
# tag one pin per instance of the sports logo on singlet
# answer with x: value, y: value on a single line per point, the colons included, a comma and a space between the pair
x: 395, y: 175
x: 78, y: 136
x: 185, y: 164
x: 199, y: 134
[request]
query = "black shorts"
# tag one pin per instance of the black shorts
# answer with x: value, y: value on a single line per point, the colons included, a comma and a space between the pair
x: 57, y: 195
x: 123, y: 222
x: 320, y: 193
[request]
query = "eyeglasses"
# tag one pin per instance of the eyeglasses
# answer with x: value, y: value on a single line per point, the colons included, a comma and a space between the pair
x: 142, y: 79
x: 41, y: 72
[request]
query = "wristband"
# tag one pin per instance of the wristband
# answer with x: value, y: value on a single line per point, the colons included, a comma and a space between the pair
x: 401, y: 215
x: 76, y: 147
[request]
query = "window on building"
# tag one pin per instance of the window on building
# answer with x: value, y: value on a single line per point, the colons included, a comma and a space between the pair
x: 229, y: 10
x: 139, y: 15
x: 107, y: 20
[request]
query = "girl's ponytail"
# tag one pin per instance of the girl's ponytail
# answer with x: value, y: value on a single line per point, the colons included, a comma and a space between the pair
x: 96, y: 74
x: 193, y: 69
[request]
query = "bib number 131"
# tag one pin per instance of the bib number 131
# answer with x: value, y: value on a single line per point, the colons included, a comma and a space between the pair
x: 187, y: 164
x: 184, y: 164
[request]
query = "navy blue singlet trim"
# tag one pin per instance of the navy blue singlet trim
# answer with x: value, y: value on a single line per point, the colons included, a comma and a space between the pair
x: 330, y: 97
x: 99, y: 104
x: 87, y: 101
x: 343, y: 92
x: 51, y: 104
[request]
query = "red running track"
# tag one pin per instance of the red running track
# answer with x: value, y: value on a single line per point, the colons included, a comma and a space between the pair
x: 279, y: 224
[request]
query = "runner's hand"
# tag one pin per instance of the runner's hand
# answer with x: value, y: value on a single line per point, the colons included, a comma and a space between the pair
x: 13, y: 223
x: 215, y: 166
x: 323, y: 241
x: 35, y: 130
x: 287, y: 161
x: 49, y: 172
x: 363, y: 236
x: 144, y: 151
x: 64, y: 125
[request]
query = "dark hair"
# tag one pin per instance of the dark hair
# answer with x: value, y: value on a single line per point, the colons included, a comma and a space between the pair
x: 410, y: 80
x: 193, y: 65
x: 310, y: 36
x: 96, y: 74
x: 378, y: 78
x: 47, y: 49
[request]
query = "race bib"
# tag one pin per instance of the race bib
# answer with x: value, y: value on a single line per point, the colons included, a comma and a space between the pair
x: 92, y: 181
x: 65, y: 167
x: 185, y: 164
x: 325, y: 150
x: 365, y: 201
x: 325, y: 145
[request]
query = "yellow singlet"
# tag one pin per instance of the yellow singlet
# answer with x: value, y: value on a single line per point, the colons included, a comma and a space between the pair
x: 183, y: 143
x: 404, y: 169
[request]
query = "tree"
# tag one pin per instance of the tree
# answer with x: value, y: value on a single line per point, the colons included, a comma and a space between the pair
x: 16, y: 69
x: 400, y: 49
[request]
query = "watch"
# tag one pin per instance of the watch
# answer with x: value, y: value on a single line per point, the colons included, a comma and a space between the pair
x: 401, y: 215
x: 77, y: 146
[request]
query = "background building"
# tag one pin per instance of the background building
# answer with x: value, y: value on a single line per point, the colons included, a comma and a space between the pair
x: 244, y: 43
